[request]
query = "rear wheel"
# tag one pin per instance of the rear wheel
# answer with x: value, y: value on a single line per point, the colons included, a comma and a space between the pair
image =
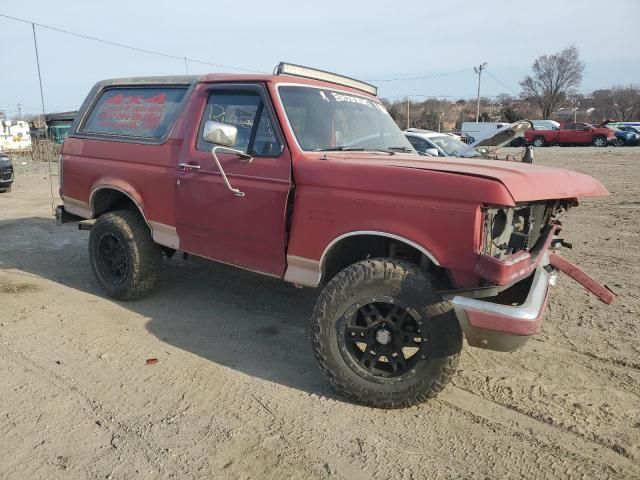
x: 124, y: 258
x: 599, y: 141
x: 538, y: 142
x: 383, y: 337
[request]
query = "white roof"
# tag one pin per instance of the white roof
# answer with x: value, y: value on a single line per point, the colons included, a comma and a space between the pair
x: 425, y: 133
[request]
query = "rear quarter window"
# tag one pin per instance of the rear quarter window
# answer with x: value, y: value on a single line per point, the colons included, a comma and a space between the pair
x: 134, y: 112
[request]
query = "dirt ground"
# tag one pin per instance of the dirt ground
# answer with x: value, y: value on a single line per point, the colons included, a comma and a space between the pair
x: 236, y: 392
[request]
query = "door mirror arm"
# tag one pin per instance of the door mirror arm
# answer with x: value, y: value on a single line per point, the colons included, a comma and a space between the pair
x: 243, y: 157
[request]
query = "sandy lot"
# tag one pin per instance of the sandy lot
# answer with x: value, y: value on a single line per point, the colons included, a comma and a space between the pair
x: 236, y: 392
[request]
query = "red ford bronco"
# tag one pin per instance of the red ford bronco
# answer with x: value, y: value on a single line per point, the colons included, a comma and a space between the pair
x: 304, y: 176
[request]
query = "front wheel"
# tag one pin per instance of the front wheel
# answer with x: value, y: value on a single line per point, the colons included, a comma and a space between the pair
x: 382, y: 335
x: 124, y: 257
x: 538, y: 142
x: 599, y: 142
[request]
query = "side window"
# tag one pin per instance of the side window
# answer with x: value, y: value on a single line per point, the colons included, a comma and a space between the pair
x: 246, y: 112
x: 417, y: 143
x: 139, y: 112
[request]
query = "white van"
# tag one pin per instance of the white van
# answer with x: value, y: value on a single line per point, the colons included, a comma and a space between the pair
x: 478, y: 130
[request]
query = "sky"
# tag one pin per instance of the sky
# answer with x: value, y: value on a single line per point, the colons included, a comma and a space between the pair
x: 370, y: 40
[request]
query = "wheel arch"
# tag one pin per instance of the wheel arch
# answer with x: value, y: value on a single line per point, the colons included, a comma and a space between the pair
x: 107, y: 197
x: 352, y: 247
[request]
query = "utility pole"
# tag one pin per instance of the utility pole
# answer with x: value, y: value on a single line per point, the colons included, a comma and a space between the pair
x: 408, y: 113
x: 20, y: 111
x: 186, y: 65
x: 35, y: 44
x: 479, y: 70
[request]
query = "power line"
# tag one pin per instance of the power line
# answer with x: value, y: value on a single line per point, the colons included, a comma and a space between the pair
x: 500, y: 82
x: 421, y: 77
x: 129, y: 47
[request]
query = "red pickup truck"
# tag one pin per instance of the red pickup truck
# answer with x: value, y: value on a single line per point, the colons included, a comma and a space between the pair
x: 571, y: 134
x: 304, y: 176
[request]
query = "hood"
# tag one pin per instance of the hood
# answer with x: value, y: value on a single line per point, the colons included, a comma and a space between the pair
x: 525, y: 182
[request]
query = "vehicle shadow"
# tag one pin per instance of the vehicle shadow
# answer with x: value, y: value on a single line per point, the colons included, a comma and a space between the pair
x: 254, y: 324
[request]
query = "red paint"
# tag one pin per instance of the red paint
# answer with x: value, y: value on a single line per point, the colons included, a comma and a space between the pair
x: 564, y: 265
x: 515, y: 267
x: 570, y: 133
x: 435, y: 203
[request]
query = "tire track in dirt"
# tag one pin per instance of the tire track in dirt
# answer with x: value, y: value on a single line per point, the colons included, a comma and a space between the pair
x: 517, y: 419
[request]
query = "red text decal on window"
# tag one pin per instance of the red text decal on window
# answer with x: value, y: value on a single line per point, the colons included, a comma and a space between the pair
x: 133, y: 112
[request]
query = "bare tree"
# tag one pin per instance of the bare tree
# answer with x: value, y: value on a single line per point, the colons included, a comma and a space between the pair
x: 626, y: 102
x: 553, y: 77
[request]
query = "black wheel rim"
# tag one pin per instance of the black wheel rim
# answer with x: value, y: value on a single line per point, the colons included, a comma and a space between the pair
x: 114, y: 263
x: 381, y: 337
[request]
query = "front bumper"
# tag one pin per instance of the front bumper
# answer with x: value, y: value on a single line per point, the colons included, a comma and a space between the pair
x: 498, y: 325
x: 505, y: 321
x: 6, y: 176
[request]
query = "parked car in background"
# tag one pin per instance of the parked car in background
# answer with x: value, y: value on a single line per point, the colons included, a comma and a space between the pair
x: 545, y: 125
x: 630, y: 128
x: 626, y: 136
x: 463, y: 137
x: 435, y: 144
x: 6, y: 172
x: 571, y: 134
x: 478, y: 130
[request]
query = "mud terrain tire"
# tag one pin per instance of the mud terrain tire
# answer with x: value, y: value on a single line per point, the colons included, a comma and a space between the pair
x: 124, y: 258
x: 393, y: 286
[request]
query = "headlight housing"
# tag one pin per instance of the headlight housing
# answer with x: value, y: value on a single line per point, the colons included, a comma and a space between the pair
x: 510, y: 229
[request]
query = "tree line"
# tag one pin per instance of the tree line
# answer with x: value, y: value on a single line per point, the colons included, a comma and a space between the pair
x: 550, y: 91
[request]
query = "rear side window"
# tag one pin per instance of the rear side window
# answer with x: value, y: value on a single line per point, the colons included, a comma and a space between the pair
x: 138, y: 112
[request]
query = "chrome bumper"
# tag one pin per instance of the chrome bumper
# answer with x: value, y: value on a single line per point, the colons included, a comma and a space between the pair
x: 499, y: 326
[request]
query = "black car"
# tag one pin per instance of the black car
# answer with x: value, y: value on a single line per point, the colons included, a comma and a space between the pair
x: 6, y: 172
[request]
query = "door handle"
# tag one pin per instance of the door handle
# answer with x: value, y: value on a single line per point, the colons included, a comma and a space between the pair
x: 189, y: 166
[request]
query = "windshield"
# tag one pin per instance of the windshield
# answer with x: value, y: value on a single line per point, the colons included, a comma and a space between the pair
x: 451, y: 145
x: 325, y: 119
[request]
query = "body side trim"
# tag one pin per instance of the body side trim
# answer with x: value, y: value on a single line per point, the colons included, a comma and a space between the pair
x: 302, y: 271
x: 77, y: 207
x: 309, y: 272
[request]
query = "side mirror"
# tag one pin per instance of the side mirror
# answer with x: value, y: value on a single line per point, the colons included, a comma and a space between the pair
x: 219, y: 133
x: 587, y: 128
x: 432, y: 152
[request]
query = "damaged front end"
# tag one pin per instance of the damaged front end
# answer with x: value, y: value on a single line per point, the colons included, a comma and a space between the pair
x: 516, y: 266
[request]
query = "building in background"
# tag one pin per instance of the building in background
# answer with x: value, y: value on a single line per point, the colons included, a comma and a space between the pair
x: 15, y: 136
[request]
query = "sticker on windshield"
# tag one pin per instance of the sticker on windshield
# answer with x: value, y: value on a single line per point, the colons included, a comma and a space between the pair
x: 340, y: 97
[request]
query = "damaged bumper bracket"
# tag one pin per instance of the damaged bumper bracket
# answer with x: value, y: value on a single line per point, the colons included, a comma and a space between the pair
x: 506, y: 327
x: 601, y: 291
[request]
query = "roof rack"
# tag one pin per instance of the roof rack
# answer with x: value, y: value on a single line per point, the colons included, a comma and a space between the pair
x: 315, y: 74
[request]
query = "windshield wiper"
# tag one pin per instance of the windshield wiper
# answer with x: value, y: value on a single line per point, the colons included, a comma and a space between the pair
x: 341, y: 148
x: 401, y: 149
